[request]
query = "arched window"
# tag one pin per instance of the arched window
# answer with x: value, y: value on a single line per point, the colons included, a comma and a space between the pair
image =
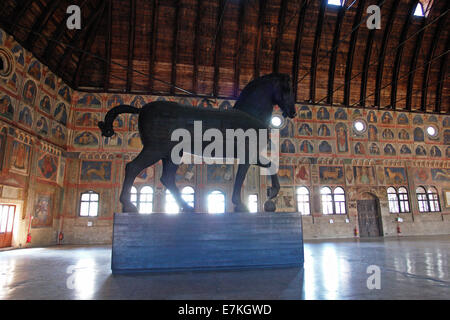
x: 339, y: 200
x: 433, y: 199
x: 422, y: 199
x: 134, y: 196
x: 393, y: 200
x: 216, y: 202
x: 303, y: 201
x: 327, y: 200
x: 403, y: 199
x: 146, y: 200
x: 188, y: 195
x: 171, y: 206
x: 253, y: 203
x: 89, y: 204
x: 333, y: 202
x: 418, y: 12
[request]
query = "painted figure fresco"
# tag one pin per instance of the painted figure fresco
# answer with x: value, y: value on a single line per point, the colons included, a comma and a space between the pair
x: 47, y: 167
x: 133, y: 122
x: 374, y: 149
x: 373, y: 133
x: 386, y: 118
x: 341, y: 137
x: 12, y: 82
x: 35, y: 70
x: 403, y: 134
x: 402, y: 119
x: 45, y: 105
x: 405, y: 149
x: 287, y: 146
x: 387, y: 134
x: 89, y: 100
x: 18, y: 54
x: 113, y: 101
x: 95, y: 171
x: 188, y: 102
x: 364, y: 175
x: 395, y: 175
x: 418, y: 135
x: 435, y: 152
x: 25, y: 116
x: 20, y: 157
x: 323, y: 114
x: 285, y: 200
x: 371, y: 117
x: 447, y: 136
x: 359, y: 148
x: 288, y: 130
x: 432, y: 118
x: 146, y: 175
x: 440, y: 174
x: 356, y: 114
x: 64, y: 92
x: 306, y: 147
x: 86, y: 119
x: 6, y: 108
x: 304, y: 130
x: 114, y: 141
x: 50, y: 81
x: 417, y: 119
x: 302, y: 175
x: 29, y: 92
x: 348, y: 175
x: 185, y: 173
x: 58, y: 133
x: 325, y: 147
x: 138, y: 102
x: 304, y: 113
x: 340, y: 114
x: 219, y: 173
x: 60, y: 113
x: 389, y: 150
x: 447, y: 152
x: 286, y: 174
x: 225, y: 105
x: 42, y: 126
x: 446, y: 122
x: 42, y: 216
x: 330, y: 174
x: 323, y: 131
x: 205, y: 103
x: 421, y: 175
x: 420, y: 151
x: 134, y: 141
x: 86, y: 139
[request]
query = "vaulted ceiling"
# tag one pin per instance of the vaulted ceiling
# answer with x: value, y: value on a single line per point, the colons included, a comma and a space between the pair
x: 214, y: 48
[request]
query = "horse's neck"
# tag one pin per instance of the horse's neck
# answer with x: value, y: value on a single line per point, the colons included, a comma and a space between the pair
x: 257, y: 103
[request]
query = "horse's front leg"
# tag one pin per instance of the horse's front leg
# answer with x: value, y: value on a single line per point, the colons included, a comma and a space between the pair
x: 240, y: 177
x: 272, y: 191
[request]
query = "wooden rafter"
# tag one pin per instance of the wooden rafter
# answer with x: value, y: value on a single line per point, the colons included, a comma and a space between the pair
x: 382, y: 55
x: 131, y: 38
x: 240, y: 39
x: 153, y: 43
x: 280, y: 31
x: 298, y: 45
x: 315, y: 52
x: 413, y: 65
x: 351, y: 51
x: 198, y: 20
x: 176, y: 29
x: 442, y: 73
x: 108, y: 47
x: 19, y: 11
x: 335, y: 46
x: 218, y: 46
x: 399, y: 53
x: 259, y: 37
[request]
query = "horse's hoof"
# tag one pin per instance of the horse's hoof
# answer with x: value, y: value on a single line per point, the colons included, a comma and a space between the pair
x: 272, y: 192
x: 241, y: 208
x: 269, y: 206
x: 187, y: 209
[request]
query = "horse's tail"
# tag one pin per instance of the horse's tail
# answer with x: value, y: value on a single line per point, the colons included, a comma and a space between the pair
x: 107, y: 125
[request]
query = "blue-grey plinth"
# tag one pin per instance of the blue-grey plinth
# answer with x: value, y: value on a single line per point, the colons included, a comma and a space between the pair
x: 202, y: 241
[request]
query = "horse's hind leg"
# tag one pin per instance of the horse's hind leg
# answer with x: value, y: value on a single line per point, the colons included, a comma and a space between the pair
x: 144, y: 159
x: 168, y: 180
x: 236, y: 198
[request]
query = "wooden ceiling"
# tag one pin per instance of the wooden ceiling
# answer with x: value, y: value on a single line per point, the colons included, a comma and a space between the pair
x: 214, y: 48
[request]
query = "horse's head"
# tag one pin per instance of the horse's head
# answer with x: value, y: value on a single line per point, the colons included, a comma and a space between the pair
x: 284, y: 96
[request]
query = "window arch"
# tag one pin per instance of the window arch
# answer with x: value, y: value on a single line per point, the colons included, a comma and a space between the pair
x: 394, y: 206
x: 303, y: 205
x: 403, y: 199
x: 433, y: 199
x: 398, y: 200
x: 216, y: 202
x: 143, y: 200
x: 171, y: 205
x: 188, y: 195
x: 89, y: 204
x: 253, y: 202
x: 422, y: 199
x: 333, y: 202
x: 428, y: 200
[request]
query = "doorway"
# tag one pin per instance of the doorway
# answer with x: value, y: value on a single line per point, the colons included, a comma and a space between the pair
x: 369, y: 218
x: 7, y: 213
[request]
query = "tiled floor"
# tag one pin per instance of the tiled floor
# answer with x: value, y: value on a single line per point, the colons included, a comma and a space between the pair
x: 410, y: 268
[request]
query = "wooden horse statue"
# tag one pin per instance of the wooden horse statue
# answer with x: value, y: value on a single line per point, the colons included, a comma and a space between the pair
x: 159, y: 119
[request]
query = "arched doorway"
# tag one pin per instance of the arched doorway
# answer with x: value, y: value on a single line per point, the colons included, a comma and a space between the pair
x: 369, y: 216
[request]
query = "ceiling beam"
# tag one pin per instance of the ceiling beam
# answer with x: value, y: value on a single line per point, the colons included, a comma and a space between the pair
x: 280, y: 31
x: 335, y: 46
x: 412, y: 67
x: 176, y: 29
x: 442, y: 78
x: 80, y: 33
x: 259, y: 36
x: 240, y: 46
x: 198, y: 20
x: 315, y: 52
x: 86, y: 48
x: 218, y: 46
x: 351, y: 51
x: 19, y: 11
x: 399, y: 53
x: 131, y: 39
x: 382, y: 55
x: 431, y: 52
x: 153, y: 43
x: 298, y: 46
x: 41, y: 23
x: 108, y: 47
